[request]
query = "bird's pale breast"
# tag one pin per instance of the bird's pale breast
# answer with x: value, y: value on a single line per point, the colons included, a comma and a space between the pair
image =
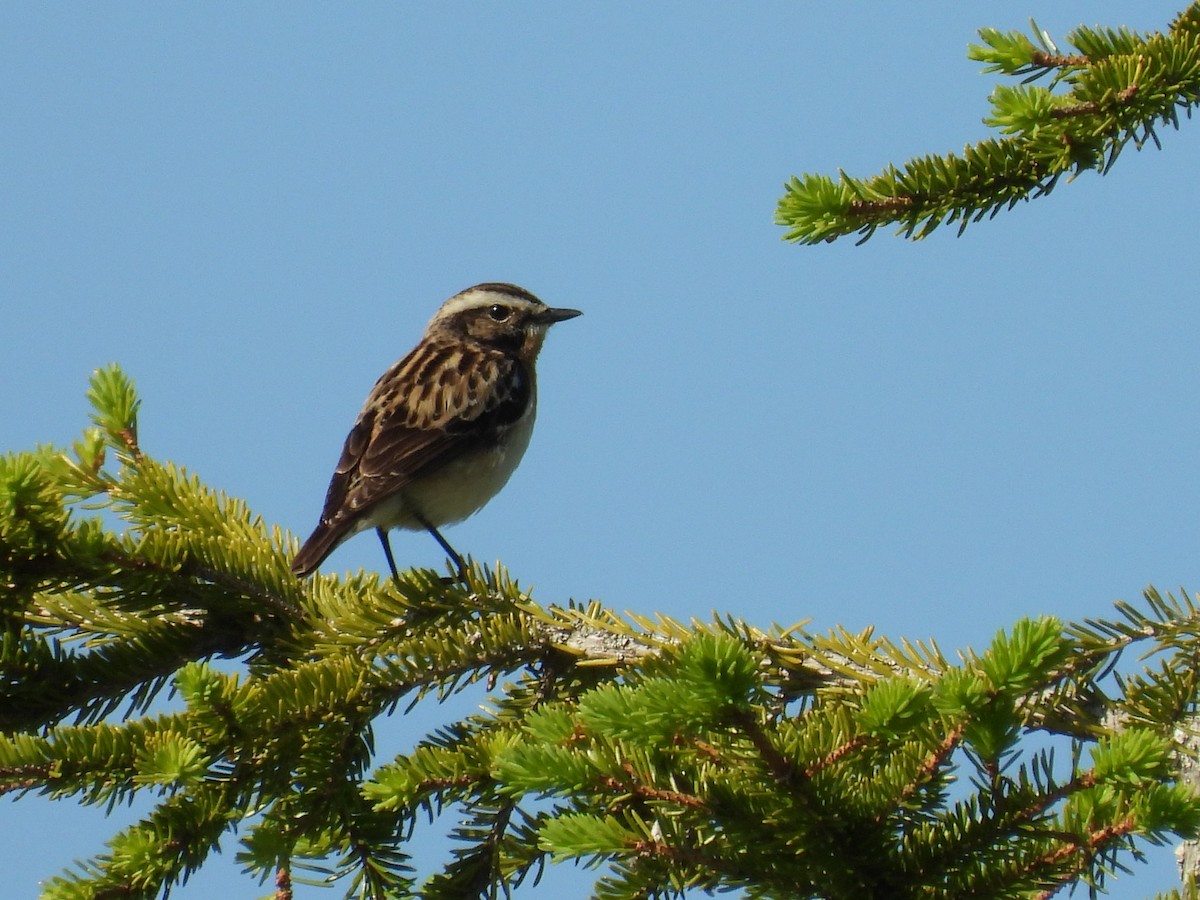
x: 461, y: 487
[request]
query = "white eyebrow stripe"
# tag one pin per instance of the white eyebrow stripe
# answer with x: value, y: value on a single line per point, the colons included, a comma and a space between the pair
x: 477, y: 299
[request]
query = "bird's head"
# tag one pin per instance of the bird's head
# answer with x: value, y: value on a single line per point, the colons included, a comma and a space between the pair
x: 499, y: 315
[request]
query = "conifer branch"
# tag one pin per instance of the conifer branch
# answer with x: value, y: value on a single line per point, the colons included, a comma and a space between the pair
x: 935, y: 763
x: 1044, y: 60
x: 1117, y: 90
x: 1079, y: 853
x: 781, y: 768
x: 697, y: 754
x: 633, y: 787
x: 283, y: 884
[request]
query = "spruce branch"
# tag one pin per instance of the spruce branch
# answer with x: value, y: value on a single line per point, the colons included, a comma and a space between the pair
x: 1044, y: 60
x: 711, y: 755
x: 283, y: 884
x: 1116, y: 90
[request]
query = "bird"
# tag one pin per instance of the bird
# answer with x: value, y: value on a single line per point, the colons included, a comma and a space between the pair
x: 443, y: 429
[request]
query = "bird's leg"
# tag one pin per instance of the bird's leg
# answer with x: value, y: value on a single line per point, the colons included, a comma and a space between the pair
x: 387, y: 551
x: 437, y: 536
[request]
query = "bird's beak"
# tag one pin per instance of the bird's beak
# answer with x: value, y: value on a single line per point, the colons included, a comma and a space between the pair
x: 550, y: 315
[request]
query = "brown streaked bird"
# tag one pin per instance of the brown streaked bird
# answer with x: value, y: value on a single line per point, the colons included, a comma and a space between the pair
x: 444, y: 428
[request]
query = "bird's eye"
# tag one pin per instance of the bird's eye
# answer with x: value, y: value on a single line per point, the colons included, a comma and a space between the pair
x: 499, y: 313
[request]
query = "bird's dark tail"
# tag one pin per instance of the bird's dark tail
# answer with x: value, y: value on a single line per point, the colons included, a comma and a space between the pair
x: 319, y: 545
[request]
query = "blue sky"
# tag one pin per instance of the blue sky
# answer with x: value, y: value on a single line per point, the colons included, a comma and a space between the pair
x: 255, y: 208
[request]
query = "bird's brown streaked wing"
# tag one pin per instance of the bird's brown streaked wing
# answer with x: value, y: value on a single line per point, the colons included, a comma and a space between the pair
x: 489, y: 392
x: 463, y: 398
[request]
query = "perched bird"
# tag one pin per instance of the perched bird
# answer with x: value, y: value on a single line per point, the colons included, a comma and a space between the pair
x: 444, y: 428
